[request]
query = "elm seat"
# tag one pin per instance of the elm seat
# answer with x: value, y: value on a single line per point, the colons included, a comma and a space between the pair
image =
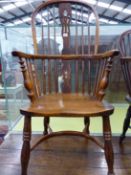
x: 67, y: 81
x: 67, y: 105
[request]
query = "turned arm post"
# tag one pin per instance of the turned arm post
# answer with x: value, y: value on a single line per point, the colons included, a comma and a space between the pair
x: 105, y: 80
x: 27, y: 81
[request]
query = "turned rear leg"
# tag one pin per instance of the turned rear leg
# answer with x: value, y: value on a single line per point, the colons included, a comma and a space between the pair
x: 47, y: 128
x: 126, y: 124
x: 87, y: 125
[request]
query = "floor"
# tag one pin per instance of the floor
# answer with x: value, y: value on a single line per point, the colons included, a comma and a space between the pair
x: 64, y: 155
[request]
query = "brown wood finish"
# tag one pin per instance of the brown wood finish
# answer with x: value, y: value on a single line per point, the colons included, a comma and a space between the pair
x: 67, y: 105
x: 84, y: 73
x: 87, y: 124
x: 25, y: 152
x: 125, y: 50
x: 61, y: 133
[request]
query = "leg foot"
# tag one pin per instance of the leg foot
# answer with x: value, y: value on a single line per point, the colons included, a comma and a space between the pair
x: 109, y: 155
x: 25, y: 153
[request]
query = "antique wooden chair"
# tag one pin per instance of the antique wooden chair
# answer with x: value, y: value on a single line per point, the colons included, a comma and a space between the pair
x: 69, y: 81
x: 125, y: 50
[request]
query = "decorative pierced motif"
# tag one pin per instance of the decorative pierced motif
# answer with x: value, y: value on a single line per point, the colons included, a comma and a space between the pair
x: 75, y: 32
x: 65, y: 17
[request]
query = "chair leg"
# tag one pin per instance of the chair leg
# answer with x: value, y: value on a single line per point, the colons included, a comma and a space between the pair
x: 25, y: 153
x: 109, y: 155
x: 46, y: 125
x: 126, y: 124
x: 87, y: 124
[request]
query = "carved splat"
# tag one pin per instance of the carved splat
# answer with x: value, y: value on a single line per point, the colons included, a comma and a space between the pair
x: 65, y: 18
x: 89, y: 74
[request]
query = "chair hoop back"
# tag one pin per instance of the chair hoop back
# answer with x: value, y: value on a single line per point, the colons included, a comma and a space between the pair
x: 125, y: 51
x: 73, y: 9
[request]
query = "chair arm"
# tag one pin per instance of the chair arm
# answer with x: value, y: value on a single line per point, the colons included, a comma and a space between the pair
x: 104, y: 55
x: 28, y: 84
x: 105, y: 77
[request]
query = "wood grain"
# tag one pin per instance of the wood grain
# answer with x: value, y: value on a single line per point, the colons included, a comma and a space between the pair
x: 65, y: 157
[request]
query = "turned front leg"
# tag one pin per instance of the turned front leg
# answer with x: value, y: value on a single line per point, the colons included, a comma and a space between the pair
x: 109, y: 155
x: 25, y: 153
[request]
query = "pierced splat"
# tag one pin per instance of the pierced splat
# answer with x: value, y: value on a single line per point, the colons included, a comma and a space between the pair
x: 66, y: 78
x: 27, y: 81
x: 65, y: 18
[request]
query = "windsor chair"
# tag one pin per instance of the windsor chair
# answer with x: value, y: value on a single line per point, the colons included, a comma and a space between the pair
x: 125, y: 50
x: 68, y: 81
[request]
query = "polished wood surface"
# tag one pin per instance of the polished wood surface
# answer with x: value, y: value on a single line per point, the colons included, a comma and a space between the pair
x: 125, y: 51
x: 66, y: 156
x: 98, y: 56
x: 70, y: 105
x: 70, y: 82
x: 67, y: 104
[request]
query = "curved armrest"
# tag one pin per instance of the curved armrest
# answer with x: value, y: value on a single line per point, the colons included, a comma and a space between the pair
x: 105, y: 77
x: 104, y: 55
x: 110, y: 53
